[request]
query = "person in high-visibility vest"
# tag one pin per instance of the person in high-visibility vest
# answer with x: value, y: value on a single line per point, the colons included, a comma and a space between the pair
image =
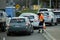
x: 41, y: 19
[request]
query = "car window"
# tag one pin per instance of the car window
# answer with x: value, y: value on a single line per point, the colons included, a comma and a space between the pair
x: 45, y: 14
x: 21, y: 20
x: 43, y: 10
x: 1, y: 14
x: 31, y: 17
x: 57, y: 13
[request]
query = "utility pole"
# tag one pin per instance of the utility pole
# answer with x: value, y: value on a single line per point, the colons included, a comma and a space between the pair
x: 50, y: 3
x: 56, y: 4
x: 29, y: 3
x: 26, y: 3
x: 38, y: 5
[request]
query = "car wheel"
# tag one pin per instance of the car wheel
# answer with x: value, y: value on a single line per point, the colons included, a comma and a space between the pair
x: 51, y: 23
x: 32, y: 30
x: 29, y: 33
x: 8, y: 34
x: 55, y: 23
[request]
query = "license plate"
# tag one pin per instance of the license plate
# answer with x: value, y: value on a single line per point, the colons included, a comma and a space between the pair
x: 17, y: 26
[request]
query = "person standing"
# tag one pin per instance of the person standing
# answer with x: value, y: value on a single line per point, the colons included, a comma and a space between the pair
x: 41, y: 21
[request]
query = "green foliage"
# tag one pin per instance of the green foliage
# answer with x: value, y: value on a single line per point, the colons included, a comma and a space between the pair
x: 25, y: 11
x: 28, y: 10
x: 17, y: 14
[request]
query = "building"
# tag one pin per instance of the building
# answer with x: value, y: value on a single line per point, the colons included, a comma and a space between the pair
x: 2, y: 4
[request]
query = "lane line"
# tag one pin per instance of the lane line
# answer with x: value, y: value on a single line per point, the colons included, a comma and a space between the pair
x: 3, y: 38
x: 48, y: 36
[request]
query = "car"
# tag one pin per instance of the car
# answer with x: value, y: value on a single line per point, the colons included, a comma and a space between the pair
x: 49, y: 17
x: 19, y: 25
x: 33, y: 19
x: 57, y: 15
x: 3, y: 18
x: 44, y: 9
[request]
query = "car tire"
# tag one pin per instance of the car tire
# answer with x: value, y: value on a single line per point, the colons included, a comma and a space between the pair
x: 29, y: 33
x: 55, y: 23
x: 8, y: 34
x: 32, y: 30
x: 51, y: 22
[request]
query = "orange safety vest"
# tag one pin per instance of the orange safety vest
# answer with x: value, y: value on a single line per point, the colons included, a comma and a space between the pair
x: 41, y: 18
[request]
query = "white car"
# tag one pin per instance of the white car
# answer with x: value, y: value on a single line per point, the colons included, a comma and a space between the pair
x: 45, y: 9
x: 57, y: 15
x: 49, y: 18
x: 33, y: 18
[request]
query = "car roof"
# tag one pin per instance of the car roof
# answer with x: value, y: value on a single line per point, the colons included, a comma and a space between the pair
x: 17, y: 17
x: 46, y: 8
x: 44, y: 11
x: 57, y: 11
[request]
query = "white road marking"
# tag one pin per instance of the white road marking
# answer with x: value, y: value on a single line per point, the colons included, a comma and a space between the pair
x: 3, y: 38
x: 48, y: 36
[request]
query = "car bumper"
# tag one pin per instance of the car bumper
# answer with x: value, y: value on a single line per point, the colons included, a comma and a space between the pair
x: 18, y: 30
x: 47, y: 21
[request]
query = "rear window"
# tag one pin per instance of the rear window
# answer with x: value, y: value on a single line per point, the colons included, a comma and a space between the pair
x: 45, y: 14
x: 30, y: 17
x: 57, y: 13
x: 43, y: 10
x: 21, y: 20
x: 1, y: 14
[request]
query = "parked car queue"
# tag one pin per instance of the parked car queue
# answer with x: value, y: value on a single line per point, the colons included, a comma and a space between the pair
x: 26, y: 22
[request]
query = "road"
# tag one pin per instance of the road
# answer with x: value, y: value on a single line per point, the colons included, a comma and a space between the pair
x: 34, y: 36
x: 54, y: 31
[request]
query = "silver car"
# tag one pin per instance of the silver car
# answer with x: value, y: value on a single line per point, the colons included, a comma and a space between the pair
x: 19, y: 25
x: 33, y: 19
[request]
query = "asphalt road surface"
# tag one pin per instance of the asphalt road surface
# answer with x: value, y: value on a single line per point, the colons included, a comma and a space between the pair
x: 34, y: 36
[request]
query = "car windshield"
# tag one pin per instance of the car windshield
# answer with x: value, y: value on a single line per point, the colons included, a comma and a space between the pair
x: 1, y: 14
x: 21, y: 20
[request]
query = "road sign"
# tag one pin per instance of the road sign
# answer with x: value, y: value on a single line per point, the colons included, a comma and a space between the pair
x: 17, y: 6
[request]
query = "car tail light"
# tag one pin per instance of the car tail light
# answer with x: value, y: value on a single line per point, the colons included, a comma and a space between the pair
x: 48, y: 16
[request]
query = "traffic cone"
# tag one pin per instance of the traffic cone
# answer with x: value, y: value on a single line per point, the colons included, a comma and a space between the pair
x: 44, y: 26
